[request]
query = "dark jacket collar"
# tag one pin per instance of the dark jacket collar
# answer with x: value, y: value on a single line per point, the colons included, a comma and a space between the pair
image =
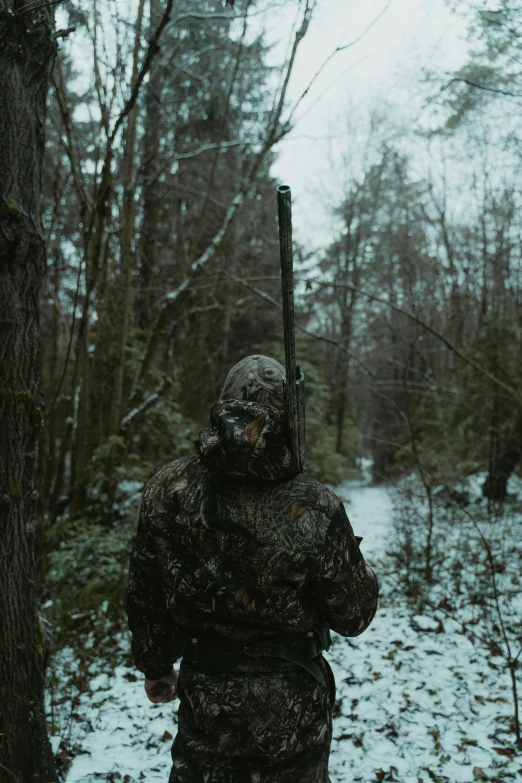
x: 246, y: 441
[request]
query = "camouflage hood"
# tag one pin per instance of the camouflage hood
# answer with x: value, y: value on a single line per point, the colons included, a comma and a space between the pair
x: 246, y: 441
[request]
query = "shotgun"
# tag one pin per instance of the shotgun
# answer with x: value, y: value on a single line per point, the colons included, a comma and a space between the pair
x: 293, y: 379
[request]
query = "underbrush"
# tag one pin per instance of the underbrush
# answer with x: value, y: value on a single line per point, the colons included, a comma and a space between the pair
x: 457, y: 557
x: 86, y: 572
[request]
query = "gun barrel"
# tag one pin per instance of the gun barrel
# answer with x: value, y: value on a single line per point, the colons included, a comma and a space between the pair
x: 284, y: 205
x: 294, y: 380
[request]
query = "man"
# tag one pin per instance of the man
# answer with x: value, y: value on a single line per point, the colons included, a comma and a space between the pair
x: 241, y: 566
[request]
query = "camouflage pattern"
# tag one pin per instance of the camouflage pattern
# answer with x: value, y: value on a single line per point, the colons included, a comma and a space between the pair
x: 256, y: 379
x: 232, y: 540
x: 267, y: 727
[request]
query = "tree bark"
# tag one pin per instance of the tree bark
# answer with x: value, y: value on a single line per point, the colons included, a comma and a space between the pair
x: 503, y: 463
x: 342, y: 374
x: 151, y: 188
x: 27, y: 52
x: 128, y: 222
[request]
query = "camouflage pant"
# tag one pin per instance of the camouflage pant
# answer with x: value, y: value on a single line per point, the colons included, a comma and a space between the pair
x: 255, y: 727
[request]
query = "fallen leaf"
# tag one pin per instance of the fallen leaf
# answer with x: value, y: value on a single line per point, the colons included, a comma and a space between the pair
x: 358, y: 741
x: 504, y: 751
x: 166, y: 735
x: 479, y: 774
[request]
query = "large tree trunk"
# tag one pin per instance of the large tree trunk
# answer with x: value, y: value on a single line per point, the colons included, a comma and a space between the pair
x: 27, y: 50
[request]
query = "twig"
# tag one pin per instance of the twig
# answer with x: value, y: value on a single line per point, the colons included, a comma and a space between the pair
x: 71, y: 147
x: 69, y: 344
x: 303, y: 329
x: 272, y: 138
x: 484, y: 87
x: 36, y: 5
x: 194, y: 153
x: 332, y: 55
x: 199, y: 223
x: 147, y: 403
x: 151, y: 52
x: 64, y: 33
x: 203, y: 16
x: 510, y: 660
x: 104, y: 188
x: 9, y: 772
x: 415, y: 318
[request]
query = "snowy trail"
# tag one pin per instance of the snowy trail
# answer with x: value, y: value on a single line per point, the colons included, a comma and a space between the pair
x: 414, y: 704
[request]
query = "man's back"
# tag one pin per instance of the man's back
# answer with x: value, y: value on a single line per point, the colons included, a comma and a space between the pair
x: 234, y: 551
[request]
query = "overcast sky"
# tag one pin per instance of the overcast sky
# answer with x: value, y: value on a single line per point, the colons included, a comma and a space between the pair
x: 384, y: 68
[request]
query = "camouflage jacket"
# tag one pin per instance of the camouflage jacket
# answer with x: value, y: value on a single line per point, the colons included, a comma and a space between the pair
x: 232, y: 539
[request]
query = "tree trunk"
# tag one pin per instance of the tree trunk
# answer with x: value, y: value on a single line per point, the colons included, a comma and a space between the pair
x: 503, y: 463
x: 343, y: 369
x: 233, y: 254
x: 128, y: 222
x: 27, y: 51
x: 151, y: 187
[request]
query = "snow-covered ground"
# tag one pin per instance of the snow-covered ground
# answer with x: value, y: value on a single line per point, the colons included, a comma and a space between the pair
x: 417, y: 702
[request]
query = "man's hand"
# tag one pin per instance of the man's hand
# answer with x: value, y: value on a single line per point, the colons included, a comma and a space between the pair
x: 162, y: 691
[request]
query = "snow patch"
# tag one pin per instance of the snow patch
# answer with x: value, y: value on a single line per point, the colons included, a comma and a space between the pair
x: 412, y: 705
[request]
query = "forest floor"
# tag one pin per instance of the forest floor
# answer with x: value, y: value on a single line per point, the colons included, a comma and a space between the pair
x: 417, y: 701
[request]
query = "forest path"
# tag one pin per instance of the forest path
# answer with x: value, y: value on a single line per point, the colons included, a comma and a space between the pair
x: 416, y: 703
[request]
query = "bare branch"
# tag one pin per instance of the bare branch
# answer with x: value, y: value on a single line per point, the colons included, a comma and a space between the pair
x: 200, y: 15
x: 36, y: 5
x: 332, y: 55
x: 213, y: 15
x: 491, y: 562
x: 149, y: 401
x: 98, y: 83
x: 71, y: 147
x: 145, y: 68
x: 65, y: 33
x: 322, y: 338
x: 415, y: 318
x: 484, y: 87
x: 199, y: 223
x: 274, y: 134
